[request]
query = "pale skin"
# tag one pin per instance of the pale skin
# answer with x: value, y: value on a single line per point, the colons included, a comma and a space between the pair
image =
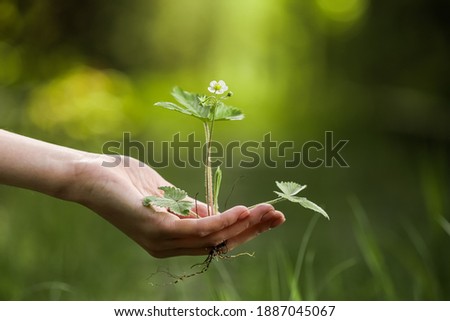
x: 116, y: 194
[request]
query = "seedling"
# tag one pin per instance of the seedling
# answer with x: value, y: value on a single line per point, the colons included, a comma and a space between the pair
x: 210, y: 109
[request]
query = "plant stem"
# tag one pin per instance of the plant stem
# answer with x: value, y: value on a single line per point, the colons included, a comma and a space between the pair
x: 211, y: 188
x: 216, y: 188
x: 208, y: 171
x: 276, y: 200
x: 191, y: 212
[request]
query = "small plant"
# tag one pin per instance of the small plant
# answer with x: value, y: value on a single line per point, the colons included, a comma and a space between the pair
x: 210, y: 109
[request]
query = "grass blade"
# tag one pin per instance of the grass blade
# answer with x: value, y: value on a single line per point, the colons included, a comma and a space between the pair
x: 445, y: 224
x: 371, y: 251
x: 295, y: 293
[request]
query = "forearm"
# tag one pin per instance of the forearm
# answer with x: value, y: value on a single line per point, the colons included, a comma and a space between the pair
x: 36, y: 165
x: 116, y: 193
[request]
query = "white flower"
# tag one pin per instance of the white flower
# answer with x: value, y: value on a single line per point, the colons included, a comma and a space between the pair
x: 218, y: 87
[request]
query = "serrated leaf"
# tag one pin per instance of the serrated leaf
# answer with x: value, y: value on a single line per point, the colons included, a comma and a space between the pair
x: 172, y: 106
x: 311, y: 205
x: 173, y: 200
x: 191, y: 102
x: 225, y: 112
x: 174, y: 193
x: 304, y: 202
x: 185, y: 98
x: 288, y: 192
x: 191, y: 105
x: 290, y: 188
x: 147, y: 201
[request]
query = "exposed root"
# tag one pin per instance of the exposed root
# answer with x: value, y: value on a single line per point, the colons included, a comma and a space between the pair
x: 217, y: 252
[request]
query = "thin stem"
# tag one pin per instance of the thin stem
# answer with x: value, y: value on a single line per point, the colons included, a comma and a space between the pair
x: 208, y: 171
x: 212, y: 184
x: 191, y: 212
x: 276, y: 200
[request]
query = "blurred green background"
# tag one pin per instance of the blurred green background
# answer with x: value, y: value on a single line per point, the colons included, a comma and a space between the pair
x: 80, y: 73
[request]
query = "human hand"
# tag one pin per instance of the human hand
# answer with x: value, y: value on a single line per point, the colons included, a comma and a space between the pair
x: 116, y: 193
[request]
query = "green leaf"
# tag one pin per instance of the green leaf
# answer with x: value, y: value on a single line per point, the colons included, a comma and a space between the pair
x: 191, y: 102
x: 173, y: 193
x: 172, y: 106
x: 290, y: 188
x: 173, y: 200
x: 225, y: 112
x: 185, y: 98
x: 307, y: 204
x: 191, y: 105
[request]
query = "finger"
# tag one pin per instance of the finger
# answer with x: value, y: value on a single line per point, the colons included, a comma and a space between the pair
x: 262, y: 213
x: 270, y: 220
x: 276, y: 219
x: 188, y: 228
x: 201, y: 209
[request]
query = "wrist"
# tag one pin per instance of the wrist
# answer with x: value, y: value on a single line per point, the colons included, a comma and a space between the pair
x: 78, y: 177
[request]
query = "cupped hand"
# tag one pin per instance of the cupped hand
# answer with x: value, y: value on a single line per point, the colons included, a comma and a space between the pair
x: 114, y: 187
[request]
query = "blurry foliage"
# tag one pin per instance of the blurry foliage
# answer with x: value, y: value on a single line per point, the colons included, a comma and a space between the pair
x: 82, y: 104
x: 79, y: 73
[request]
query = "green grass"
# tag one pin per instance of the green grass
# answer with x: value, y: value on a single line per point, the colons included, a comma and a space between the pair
x: 372, y: 253
x: 54, y: 250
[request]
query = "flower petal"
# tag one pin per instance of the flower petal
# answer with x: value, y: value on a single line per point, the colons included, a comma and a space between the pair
x: 212, y: 86
x: 217, y: 87
x: 223, y: 86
